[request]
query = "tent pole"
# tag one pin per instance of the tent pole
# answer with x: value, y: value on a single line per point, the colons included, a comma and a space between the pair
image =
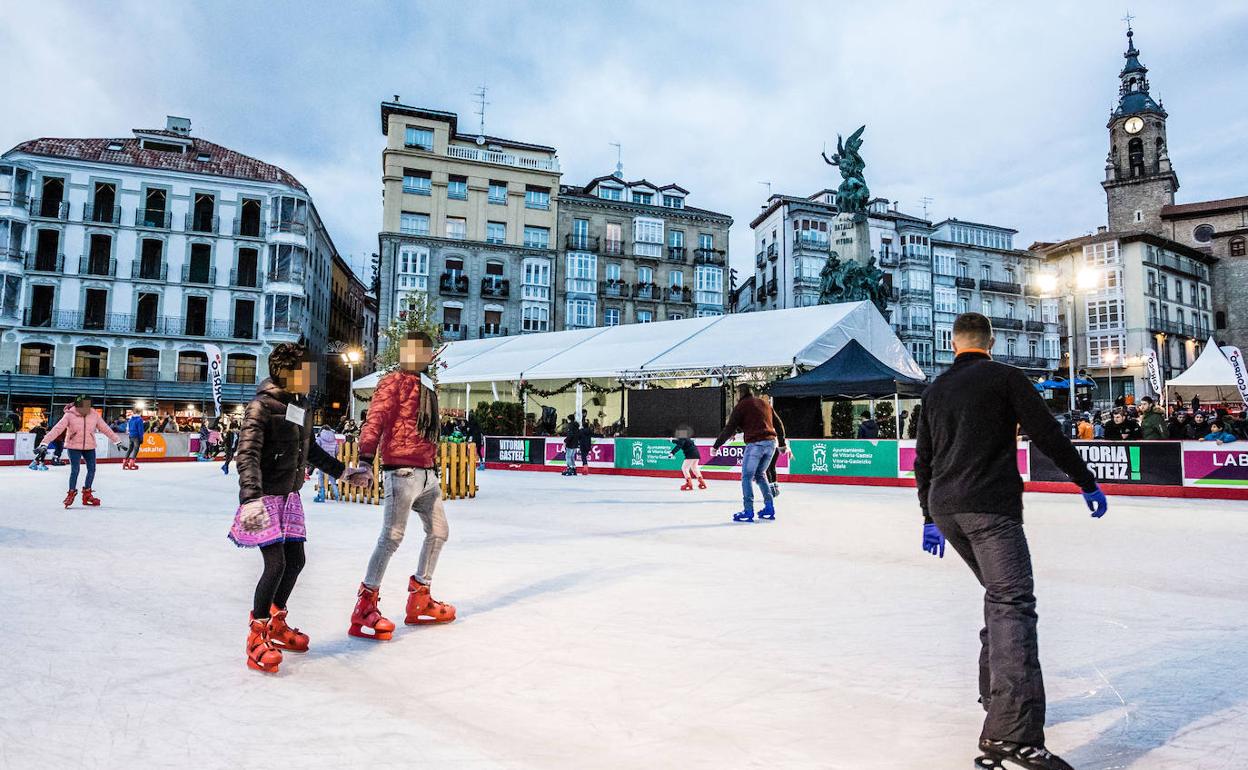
x: 897, y: 414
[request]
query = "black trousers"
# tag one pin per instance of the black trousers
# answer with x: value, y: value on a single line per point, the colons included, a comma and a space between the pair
x: 1011, y: 685
x: 282, y: 564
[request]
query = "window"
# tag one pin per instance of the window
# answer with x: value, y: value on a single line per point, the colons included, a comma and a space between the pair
x: 611, y: 316
x: 456, y: 228
x: 1100, y: 344
x: 675, y: 279
x: 413, y: 269
x: 645, y: 275
x: 579, y: 238
x: 582, y: 272
x: 708, y: 285
x: 286, y: 263
x: 536, y: 280
x: 495, y: 232
x: 673, y: 201
x: 645, y: 316
x: 706, y: 241
x: 417, y: 182
x: 675, y: 316
x: 534, y: 317
x: 283, y: 312
x: 986, y: 304
x: 646, y: 199
x: 648, y: 237
x: 613, y: 243
x: 498, y: 193
x: 1097, y: 254
x: 1204, y: 298
x: 192, y: 366
x: 985, y: 273
x: 1203, y: 233
x: 419, y: 138
x: 457, y: 188
x: 1104, y: 314
x: 964, y: 305
x: 944, y: 338
x: 411, y: 223
x: 537, y: 197
x: 142, y: 364
x: 240, y: 369
x: 536, y: 237
x: 613, y: 272
x: 1237, y: 247
x: 581, y: 312
x: 610, y: 193
x: 945, y: 299
x: 945, y: 265
x: 676, y: 238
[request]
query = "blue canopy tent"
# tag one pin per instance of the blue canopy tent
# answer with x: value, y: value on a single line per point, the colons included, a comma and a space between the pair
x: 1065, y: 384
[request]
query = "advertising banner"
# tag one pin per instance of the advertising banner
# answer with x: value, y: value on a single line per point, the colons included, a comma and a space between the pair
x: 1119, y: 462
x: 216, y: 374
x: 843, y: 457
x: 153, y: 446
x: 905, y: 460
x: 1210, y: 465
x: 728, y: 457
x: 1153, y: 369
x: 652, y: 454
x: 601, y: 455
x: 1236, y: 357
x: 526, y: 450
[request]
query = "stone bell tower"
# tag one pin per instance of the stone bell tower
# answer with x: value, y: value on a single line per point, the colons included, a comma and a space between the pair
x: 1138, y: 177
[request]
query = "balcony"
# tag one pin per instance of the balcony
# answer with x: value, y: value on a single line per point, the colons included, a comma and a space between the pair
x: 679, y: 295
x: 613, y: 248
x: 492, y: 286
x: 453, y: 331
x: 481, y: 155
x: 915, y: 295
x: 1031, y: 290
x: 149, y: 272
x: 249, y: 279
x: 453, y: 284
x: 709, y: 257
x: 676, y: 254
x: 101, y: 215
x: 760, y: 259
x: 201, y: 224
x: 46, y: 209
x: 888, y: 259
x: 772, y: 251
x: 1175, y: 328
x: 963, y: 282
x: 772, y: 288
x: 284, y: 276
x: 491, y: 330
x: 650, y: 252
x: 761, y: 294
x: 12, y: 253
x: 915, y: 329
x: 1156, y: 258
x: 298, y: 227
x: 613, y: 289
x: 576, y: 242
x: 205, y: 276
x: 810, y: 241
x: 247, y: 228
x: 45, y: 263
x: 1033, y: 326
x: 126, y: 323
x: 915, y: 258
x: 1000, y: 287
x: 153, y: 219
x: 1006, y: 323
x: 1024, y: 362
x: 645, y: 291
x: 104, y: 268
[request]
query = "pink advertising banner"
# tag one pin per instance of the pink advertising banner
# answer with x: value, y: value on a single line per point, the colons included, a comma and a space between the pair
x: 905, y: 460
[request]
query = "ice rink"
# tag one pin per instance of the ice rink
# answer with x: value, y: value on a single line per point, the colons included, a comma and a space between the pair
x: 607, y: 622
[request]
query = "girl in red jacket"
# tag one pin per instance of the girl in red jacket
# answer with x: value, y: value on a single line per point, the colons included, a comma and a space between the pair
x: 402, y: 425
x: 79, y: 426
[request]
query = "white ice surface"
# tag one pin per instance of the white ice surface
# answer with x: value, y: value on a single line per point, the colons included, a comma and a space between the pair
x: 607, y: 622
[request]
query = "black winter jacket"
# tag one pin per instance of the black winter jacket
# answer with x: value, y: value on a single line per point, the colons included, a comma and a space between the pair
x: 1127, y: 430
x: 966, y: 457
x: 686, y: 446
x: 273, y: 451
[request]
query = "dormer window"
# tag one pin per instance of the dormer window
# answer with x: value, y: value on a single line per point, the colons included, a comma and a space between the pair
x: 644, y: 198
x: 114, y: 146
x: 611, y: 193
x: 203, y: 157
x: 151, y: 144
x: 673, y: 201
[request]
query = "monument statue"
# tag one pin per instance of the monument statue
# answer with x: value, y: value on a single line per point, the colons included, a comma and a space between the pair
x: 851, y: 282
x: 852, y: 195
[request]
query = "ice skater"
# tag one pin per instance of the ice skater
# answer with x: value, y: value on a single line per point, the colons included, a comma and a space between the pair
x: 229, y: 442
x: 274, y: 445
x: 402, y: 426
x: 327, y: 440
x: 971, y: 494
x: 753, y: 417
x: 134, y: 432
x: 690, y: 466
x: 77, y: 429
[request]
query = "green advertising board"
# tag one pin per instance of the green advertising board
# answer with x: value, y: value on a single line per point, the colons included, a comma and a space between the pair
x: 840, y: 457
x: 653, y: 454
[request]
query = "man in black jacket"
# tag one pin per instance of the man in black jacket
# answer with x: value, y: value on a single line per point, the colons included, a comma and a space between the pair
x: 971, y: 494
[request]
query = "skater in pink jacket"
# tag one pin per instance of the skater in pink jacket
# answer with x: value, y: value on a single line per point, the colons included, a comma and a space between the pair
x: 78, y: 428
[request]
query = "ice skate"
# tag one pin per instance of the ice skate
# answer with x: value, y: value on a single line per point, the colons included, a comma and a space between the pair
x: 367, y: 622
x: 70, y: 496
x: 768, y: 513
x: 1002, y: 755
x: 226, y: 469
x: 88, y: 497
x: 42, y: 467
x: 688, y: 485
x: 34, y: 465
x: 775, y: 489
x: 701, y: 484
x: 743, y: 516
x: 261, y: 654
x: 320, y: 497
x: 423, y: 609
x: 282, y: 636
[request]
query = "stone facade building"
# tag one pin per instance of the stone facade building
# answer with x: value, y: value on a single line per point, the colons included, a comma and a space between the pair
x: 469, y: 221
x: 634, y: 252
x: 122, y: 257
x: 1220, y: 229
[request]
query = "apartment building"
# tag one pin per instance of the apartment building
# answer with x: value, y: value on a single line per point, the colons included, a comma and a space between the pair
x: 469, y: 222
x: 635, y: 252
x: 123, y: 256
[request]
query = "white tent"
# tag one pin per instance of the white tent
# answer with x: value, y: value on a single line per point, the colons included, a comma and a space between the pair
x: 1211, y: 378
x: 804, y: 337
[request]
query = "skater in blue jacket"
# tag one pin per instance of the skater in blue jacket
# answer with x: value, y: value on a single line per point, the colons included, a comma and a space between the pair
x: 135, y: 428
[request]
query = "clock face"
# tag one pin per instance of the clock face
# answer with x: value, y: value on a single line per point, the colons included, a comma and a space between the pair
x: 1134, y: 125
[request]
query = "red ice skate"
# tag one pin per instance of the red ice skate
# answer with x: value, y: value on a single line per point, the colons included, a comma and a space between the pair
x: 261, y: 654
x: 70, y: 496
x: 423, y: 609
x: 701, y: 484
x: 367, y: 622
x: 688, y: 485
x: 88, y: 497
x: 282, y: 636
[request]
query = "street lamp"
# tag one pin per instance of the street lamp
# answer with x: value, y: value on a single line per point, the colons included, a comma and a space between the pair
x: 351, y: 357
x: 1108, y: 357
x: 1083, y: 281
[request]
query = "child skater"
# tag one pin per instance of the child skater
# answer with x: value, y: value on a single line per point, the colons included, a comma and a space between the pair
x: 689, y: 467
x: 402, y: 426
x: 77, y: 431
x: 274, y: 445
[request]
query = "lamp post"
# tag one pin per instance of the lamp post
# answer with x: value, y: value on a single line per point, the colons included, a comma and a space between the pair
x: 351, y: 357
x: 1049, y: 284
x: 1109, y: 357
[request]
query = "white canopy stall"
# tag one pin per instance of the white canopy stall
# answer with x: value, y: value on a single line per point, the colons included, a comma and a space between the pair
x: 1211, y: 378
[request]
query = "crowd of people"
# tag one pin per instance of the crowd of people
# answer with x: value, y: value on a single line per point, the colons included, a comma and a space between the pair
x: 1149, y: 422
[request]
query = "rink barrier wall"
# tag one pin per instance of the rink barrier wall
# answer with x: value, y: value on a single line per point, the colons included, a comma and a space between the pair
x: 457, y: 473
x: 1181, y: 469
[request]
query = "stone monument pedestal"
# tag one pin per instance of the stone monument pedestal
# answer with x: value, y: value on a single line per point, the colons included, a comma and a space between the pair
x: 851, y: 238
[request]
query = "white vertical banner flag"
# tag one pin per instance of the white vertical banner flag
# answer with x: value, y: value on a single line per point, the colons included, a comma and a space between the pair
x: 216, y: 374
x: 580, y: 400
x: 494, y: 390
x: 1153, y: 369
x: 1236, y: 358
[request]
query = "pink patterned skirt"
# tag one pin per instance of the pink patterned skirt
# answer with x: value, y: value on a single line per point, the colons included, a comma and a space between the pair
x: 285, y: 523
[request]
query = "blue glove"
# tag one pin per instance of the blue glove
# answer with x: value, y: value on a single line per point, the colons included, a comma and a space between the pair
x: 1096, y: 502
x: 933, y: 541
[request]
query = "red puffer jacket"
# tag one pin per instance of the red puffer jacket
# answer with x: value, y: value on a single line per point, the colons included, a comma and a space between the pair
x: 393, y: 424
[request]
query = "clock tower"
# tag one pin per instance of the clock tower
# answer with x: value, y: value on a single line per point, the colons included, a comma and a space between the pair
x: 1138, y: 177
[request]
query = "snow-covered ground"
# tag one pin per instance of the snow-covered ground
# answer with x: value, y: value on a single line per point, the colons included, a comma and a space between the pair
x: 607, y: 622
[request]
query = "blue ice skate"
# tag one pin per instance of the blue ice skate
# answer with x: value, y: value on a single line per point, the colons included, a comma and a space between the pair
x: 743, y: 516
x: 768, y: 513
x: 226, y: 469
x: 34, y: 465
x: 320, y: 497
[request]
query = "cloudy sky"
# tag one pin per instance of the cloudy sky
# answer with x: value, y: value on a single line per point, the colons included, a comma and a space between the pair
x: 995, y: 112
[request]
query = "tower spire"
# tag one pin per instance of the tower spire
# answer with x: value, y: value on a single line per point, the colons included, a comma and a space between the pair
x: 1133, y: 96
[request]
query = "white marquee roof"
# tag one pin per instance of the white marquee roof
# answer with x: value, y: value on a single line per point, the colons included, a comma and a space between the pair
x: 1211, y: 377
x: 771, y: 339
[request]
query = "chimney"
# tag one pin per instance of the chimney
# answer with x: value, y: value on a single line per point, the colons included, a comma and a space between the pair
x: 1102, y: 229
x: 181, y: 126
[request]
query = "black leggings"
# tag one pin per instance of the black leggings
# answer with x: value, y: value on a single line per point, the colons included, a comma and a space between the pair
x: 282, y: 563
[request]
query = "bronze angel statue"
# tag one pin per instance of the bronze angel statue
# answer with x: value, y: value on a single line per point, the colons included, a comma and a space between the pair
x: 853, y: 194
